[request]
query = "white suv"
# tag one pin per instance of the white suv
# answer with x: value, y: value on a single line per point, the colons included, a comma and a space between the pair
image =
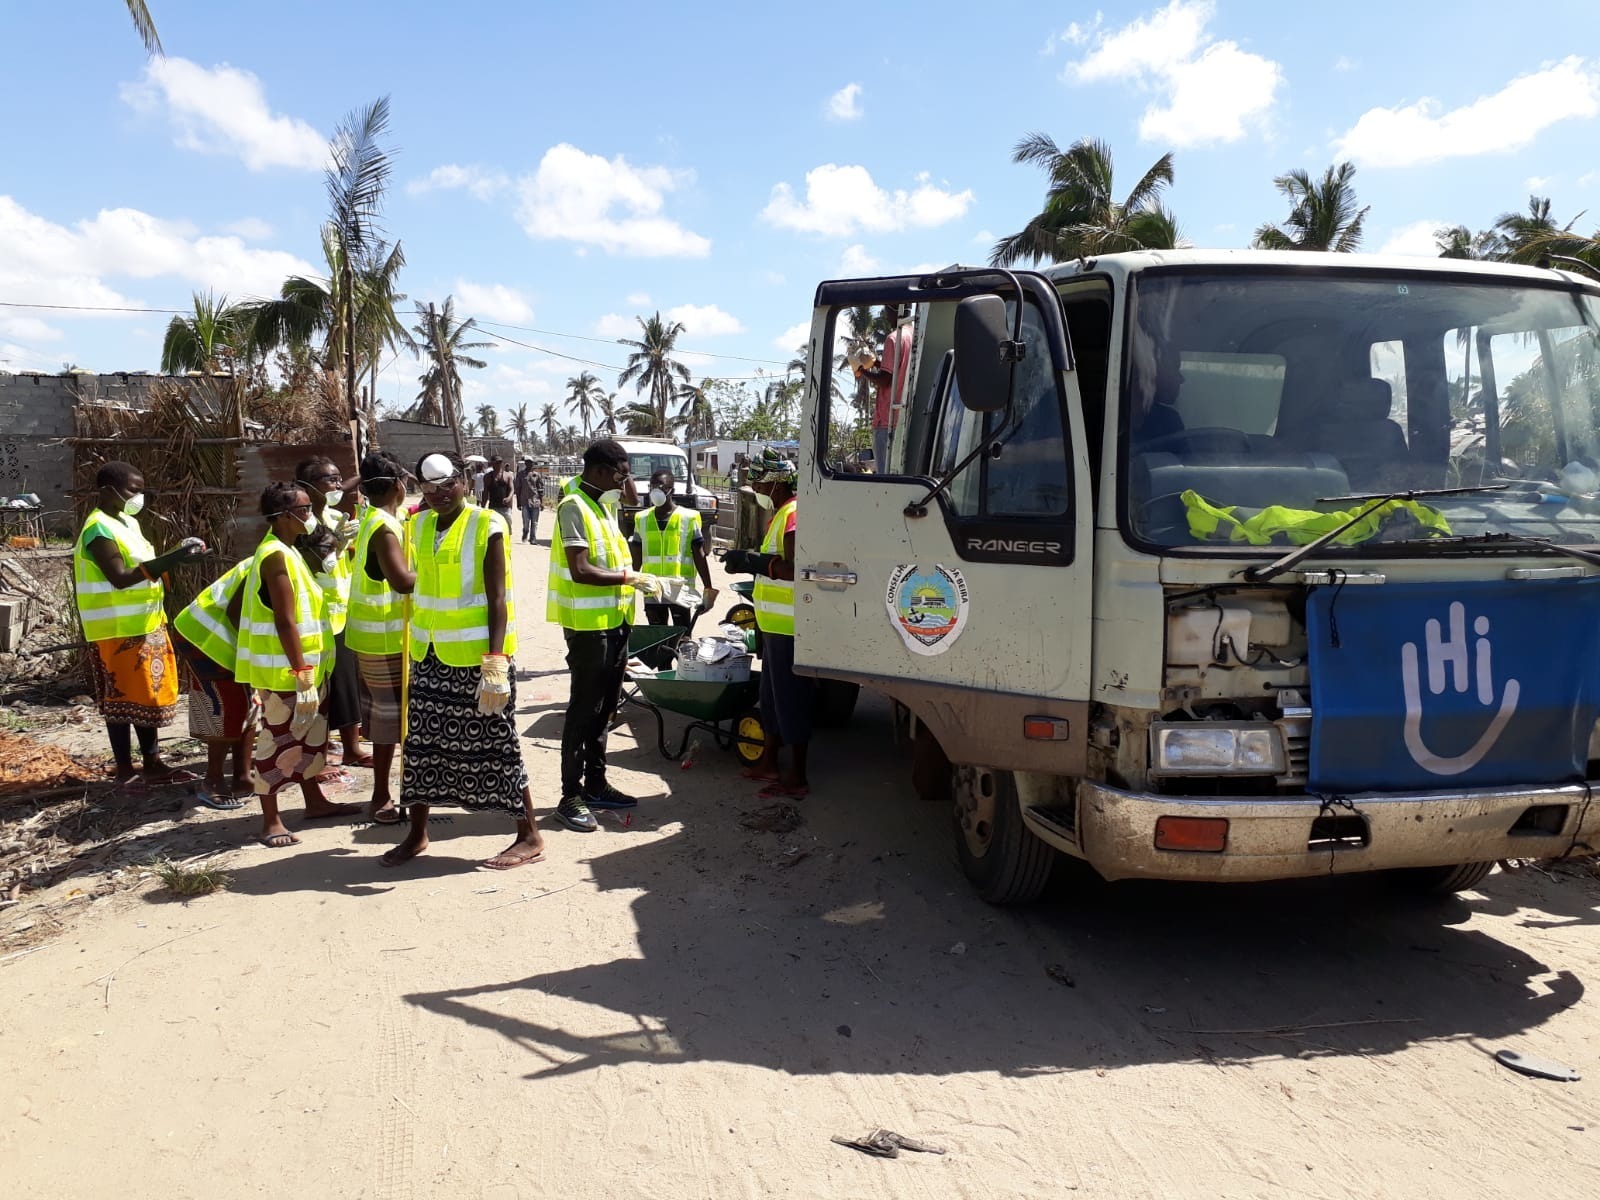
x: 647, y: 455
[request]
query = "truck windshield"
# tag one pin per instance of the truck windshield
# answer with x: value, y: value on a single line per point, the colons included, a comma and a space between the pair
x: 1254, y: 401
x: 645, y: 465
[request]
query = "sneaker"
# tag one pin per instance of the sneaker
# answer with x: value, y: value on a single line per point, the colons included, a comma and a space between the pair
x: 609, y: 797
x: 575, y: 815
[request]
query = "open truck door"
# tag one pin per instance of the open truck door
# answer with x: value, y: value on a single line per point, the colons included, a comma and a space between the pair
x: 957, y: 578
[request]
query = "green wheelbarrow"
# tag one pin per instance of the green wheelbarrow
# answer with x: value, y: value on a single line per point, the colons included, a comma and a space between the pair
x: 729, y: 712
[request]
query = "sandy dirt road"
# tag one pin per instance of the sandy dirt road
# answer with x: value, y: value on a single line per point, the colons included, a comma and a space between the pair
x: 686, y: 1008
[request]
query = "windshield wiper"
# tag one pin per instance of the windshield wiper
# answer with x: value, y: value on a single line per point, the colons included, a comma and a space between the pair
x: 1261, y: 573
x: 1510, y: 540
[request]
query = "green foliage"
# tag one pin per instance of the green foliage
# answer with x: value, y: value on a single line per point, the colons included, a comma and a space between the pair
x: 583, y: 395
x: 145, y: 26
x: 652, y: 368
x: 1324, y: 215
x: 196, y: 880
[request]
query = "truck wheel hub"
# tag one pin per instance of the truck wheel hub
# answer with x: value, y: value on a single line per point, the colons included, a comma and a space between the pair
x: 975, y: 805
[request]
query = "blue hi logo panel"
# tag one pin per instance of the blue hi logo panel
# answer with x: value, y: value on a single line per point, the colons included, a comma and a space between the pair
x: 1430, y: 686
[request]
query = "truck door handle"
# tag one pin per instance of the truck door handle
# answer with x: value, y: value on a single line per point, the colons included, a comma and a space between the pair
x: 829, y: 575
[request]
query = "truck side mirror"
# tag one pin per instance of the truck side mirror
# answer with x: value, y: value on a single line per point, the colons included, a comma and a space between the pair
x: 985, y: 354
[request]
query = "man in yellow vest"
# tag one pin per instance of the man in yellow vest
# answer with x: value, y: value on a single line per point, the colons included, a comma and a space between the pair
x: 590, y: 595
x: 669, y: 543
x: 117, y: 580
x: 786, y: 698
x: 324, y: 483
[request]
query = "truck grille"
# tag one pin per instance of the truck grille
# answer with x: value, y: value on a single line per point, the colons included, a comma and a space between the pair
x: 1295, y: 725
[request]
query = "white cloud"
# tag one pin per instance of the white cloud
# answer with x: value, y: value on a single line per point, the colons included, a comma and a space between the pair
x: 1075, y: 34
x: 778, y: 278
x: 481, y: 182
x: 493, y: 302
x: 251, y: 229
x: 1416, y: 238
x: 610, y: 204
x: 1506, y: 120
x: 1538, y: 183
x: 704, y: 320
x: 27, y: 329
x: 856, y: 261
x: 984, y: 238
x: 1587, y: 178
x: 797, y: 334
x: 639, y: 300
x: 223, y: 110
x: 615, y: 325
x: 1344, y: 63
x: 1210, y: 91
x: 841, y: 200
x: 845, y: 104
x: 47, y: 263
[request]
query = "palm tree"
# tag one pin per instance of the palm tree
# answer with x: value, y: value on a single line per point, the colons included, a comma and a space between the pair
x: 145, y: 26
x: 204, y: 341
x: 607, y: 404
x: 583, y: 395
x: 547, y: 418
x: 1080, y: 216
x: 441, y: 343
x: 1524, y: 237
x: 488, y: 421
x: 521, y: 425
x: 1324, y: 216
x: 1457, y: 241
x: 695, y: 410
x: 652, y: 366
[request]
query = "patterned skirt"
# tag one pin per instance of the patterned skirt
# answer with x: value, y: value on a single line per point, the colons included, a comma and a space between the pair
x: 278, y: 756
x: 380, y: 697
x: 219, y: 708
x: 452, y: 755
x: 138, y: 679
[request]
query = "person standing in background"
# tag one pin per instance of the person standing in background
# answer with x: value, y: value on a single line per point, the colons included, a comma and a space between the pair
x: 786, y: 698
x: 461, y: 746
x: 375, y: 633
x: 498, y: 490
x: 888, y: 376
x: 206, y: 638
x: 530, y: 499
x: 286, y: 655
x: 117, y: 580
x: 669, y: 542
x: 324, y: 483
x: 590, y: 595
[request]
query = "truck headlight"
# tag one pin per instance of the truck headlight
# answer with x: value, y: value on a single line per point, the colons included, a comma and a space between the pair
x: 1216, y: 748
x: 707, y: 503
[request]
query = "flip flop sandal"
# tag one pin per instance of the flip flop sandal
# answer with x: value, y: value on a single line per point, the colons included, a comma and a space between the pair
x: 343, y: 810
x: 784, y: 791
x: 175, y: 776
x: 279, y: 841
x: 514, y: 861
x: 204, y: 795
x: 134, y: 785
x: 389, y: 816
x: 362, y: 760
x: 336, y: 777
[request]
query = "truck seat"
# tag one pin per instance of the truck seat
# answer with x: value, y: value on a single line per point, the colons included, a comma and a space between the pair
x: 1356, y: 430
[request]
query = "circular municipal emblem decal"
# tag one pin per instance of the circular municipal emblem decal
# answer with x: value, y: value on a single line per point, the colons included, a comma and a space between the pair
x: 927, y: 606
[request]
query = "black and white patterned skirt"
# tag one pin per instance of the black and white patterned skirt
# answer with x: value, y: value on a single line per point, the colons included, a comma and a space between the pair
x: 451, y: 754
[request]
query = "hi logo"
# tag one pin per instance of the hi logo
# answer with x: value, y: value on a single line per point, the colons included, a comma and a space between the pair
x: 1451, y: 657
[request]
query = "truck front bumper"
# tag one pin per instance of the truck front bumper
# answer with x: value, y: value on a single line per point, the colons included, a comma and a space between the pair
x: 1282, y: 838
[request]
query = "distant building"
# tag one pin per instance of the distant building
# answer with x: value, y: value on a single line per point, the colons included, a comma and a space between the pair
x: 717, y: 456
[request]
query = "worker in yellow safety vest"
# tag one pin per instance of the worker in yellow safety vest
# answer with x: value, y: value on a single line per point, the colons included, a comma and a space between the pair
x: 669, y: 542
x: 324, y: 481
x: 206, y: 638
x: 461, y: 743
x: 590, y: 595
x: 117, y: 580
x: 786, y: 698
x: 286, y: 655
x: 380, y: 580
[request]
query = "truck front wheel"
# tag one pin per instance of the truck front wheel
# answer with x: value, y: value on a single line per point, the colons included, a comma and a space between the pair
x: 1440, y: 881
x: 999, y: 855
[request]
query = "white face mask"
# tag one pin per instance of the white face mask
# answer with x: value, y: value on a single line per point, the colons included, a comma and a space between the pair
x: 611, y: 497
x: 657, y: 497
x: 310, y: 523
x: 331, y: 499
x: 330, y: 564
x: 133, y: 505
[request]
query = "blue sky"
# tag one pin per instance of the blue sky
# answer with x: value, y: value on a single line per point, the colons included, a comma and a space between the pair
x: 564, y: 169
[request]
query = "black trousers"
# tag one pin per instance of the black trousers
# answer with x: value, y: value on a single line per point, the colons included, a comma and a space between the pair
x: 597, y: 659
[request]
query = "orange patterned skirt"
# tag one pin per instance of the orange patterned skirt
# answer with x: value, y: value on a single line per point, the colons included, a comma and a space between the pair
x: 138, y: 679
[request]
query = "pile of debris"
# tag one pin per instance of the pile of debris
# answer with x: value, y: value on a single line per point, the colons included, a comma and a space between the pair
x: 38, y: 629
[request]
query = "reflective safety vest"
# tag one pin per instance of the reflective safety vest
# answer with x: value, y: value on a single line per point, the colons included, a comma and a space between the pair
x: 1277, y: 525
x: 262, y: 662
x: 336, y: 585
x: 106, y: 610
x: 376, y: 619
x: 205, y: 622
x: 582, y: 606
x: 668, y: 552
x: 774, y: 598
x: 450, y: 608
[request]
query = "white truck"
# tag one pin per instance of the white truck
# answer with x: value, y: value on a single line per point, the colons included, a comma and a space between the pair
x: 1221, y: 565
x: 647, y: 455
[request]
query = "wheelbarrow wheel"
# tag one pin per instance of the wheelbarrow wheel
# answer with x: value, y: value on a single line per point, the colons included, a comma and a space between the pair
x: 750, y: 736
x: 742, y: 615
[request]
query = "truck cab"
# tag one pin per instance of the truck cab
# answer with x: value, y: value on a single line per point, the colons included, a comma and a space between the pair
x: 1225, y: 565
x: 647, y: 455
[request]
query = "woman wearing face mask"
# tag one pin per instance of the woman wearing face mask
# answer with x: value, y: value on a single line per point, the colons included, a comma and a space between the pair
x: 461, y: 746
x: 669, y: 543
x: 381, y: 580
x: 117, y: 580
x: 324, y: 483
x: 286, y: 655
